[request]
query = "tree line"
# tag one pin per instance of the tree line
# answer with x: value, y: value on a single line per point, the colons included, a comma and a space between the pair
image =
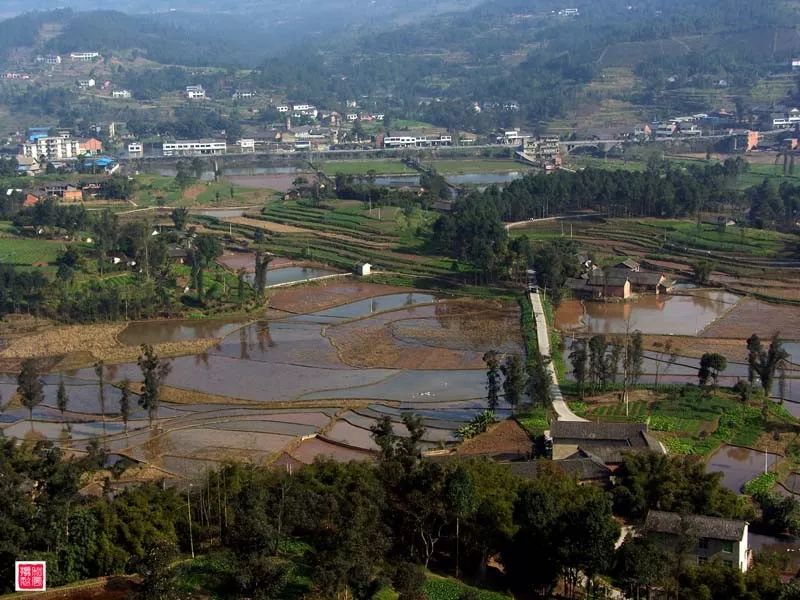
x: 333, y: 530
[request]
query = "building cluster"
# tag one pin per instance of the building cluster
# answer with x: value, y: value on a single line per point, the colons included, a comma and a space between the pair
x: 57, y: 59
x: 543, y: 151
x: 621, y: 281
x: 44, y: 146
x: 62, y: 191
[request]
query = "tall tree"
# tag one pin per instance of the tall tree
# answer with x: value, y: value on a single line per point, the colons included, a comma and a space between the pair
x: 62, y: 399
x: 125, y: 403
x: 179, y: 216
x: 539, y: 379
x: 515, y: 379
x: 30, y: 387
x: 711, y: 365
x: 154, y: 372
x: 100, y: 371
x: 578, y: 357
x: 492, y: 360
x: 765, y: 363
x: 597, y: 353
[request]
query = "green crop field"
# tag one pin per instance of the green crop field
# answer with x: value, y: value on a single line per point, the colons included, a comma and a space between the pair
x: 27, y: 252
x: 691, y: 420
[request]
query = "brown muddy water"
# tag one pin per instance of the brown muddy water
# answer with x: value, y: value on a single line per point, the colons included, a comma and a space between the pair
x: 264, y: 362
x: 662, y: 314
x: 739, y: 465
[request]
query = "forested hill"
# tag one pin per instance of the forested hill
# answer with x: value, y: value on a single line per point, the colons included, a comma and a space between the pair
x: 525, y: 52
x: 206, y: 33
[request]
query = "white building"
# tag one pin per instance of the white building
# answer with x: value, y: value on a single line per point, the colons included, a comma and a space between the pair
x: 195, y: 92
x: 194, y: 147
x: 243, y: 95
x: 84, y: 56
x: 352, y: 117
x: 49, y: 59
x: 512, y: 137
x: 135, y: 148
x: 364, y: 269
x: 409, y: 140
x: 86, y: 83
x: 282, y: 109
x: 52, y: 148
x: 124, y: 94
x: 247, y: 145
x: 795, y: 64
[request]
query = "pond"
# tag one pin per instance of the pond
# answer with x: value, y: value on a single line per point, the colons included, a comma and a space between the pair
x: 657, y: 314
x: 739, y: 465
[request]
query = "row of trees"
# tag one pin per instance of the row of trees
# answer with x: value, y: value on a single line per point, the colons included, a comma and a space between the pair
x: 30, y: 387
x: 596, y: 363
x: 334, y: 530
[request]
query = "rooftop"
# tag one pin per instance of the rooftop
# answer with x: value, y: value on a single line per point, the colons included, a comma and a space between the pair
x: 696, y: 525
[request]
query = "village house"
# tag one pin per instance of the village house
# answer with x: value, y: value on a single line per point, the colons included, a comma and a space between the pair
x: 85, y: 84
x: 608, y: 442
x: 63, y: 190
x: 712, y: 538
x: 622, y: 281
x: 51, y: 148
x: 91, y: 146
x: 121, y: 94
x: 195, y: 92
x: 587, y: 469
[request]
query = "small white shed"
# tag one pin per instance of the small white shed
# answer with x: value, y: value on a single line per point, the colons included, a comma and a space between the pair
x: 364, y: 269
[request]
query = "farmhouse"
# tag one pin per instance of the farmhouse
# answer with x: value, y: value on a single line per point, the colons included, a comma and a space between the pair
x: 707, y: 539
x: 622, y: 281
x: 122, y: 94
x: 607, y: 441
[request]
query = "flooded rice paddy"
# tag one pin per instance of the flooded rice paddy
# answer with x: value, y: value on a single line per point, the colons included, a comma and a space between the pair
x: 739, y: 465
x: 663, y: 314
x: 297, y: 389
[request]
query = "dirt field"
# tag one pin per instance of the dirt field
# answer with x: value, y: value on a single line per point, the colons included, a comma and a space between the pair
x: 448, y: 335
x: 78, y: 346
x: 733, y: 349
x: 266, y: 225
x: 753, y: 316
x: 318, y: 296
x: 506, y: 437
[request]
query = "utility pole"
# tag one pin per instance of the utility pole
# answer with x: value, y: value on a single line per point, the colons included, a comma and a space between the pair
x: 189, y: 515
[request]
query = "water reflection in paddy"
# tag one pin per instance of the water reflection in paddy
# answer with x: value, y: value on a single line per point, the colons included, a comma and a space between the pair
x: 157, y: 332
x: 739, y: 465
x: 679, y: 315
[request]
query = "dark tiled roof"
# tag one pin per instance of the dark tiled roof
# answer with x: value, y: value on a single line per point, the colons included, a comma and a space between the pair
x: 575, y: 283
x: 695, y: 525
x: 645, y: 278
x: 628, y: 263
x: 611, y: 277
x: 606, y: 440
x: 584, y: 468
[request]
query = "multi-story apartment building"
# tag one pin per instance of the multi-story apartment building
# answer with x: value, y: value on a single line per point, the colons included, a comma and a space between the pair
x: 52, y: 148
